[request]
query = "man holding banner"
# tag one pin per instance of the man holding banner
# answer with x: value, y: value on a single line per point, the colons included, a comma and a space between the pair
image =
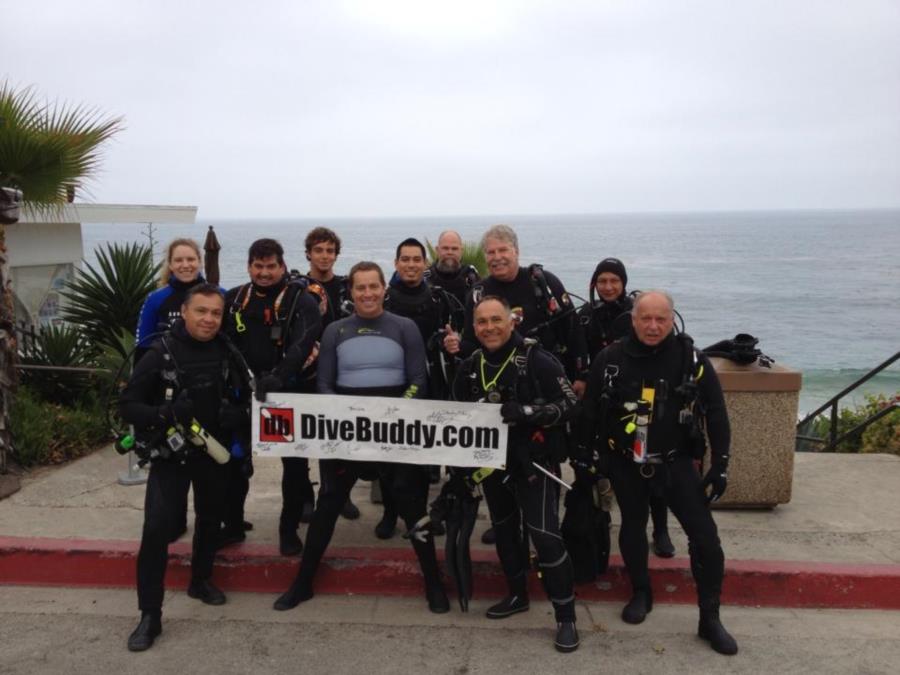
x: 537, y: 400
x: 371, y: 353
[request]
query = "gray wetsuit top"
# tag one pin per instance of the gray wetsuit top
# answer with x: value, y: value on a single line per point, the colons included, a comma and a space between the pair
x: 380, y: 356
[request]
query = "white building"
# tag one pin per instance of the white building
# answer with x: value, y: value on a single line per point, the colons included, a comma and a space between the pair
x: 44, y: 250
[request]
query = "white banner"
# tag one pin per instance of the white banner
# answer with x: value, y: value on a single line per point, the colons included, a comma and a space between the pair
x: 379, y: 429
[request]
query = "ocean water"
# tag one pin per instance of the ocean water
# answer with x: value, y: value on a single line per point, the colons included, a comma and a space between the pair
x: 820, y: 289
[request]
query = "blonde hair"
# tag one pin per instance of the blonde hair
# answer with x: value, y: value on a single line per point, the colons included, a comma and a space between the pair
x: 165, y: 272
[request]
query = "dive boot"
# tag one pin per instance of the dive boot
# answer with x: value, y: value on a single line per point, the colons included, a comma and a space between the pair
x: 511, y: 604
x: 350, y: 511
x: 566, y: 637
x: 710, y: 628
x: 437, y: 598
x: 489, y: 536
x: 289, y: 544
x: 387, y: 526
x: 662, y: 545
x: 141, y: 639
x: 638, y: 607
x: 297, y: 593
x: 206, y: 592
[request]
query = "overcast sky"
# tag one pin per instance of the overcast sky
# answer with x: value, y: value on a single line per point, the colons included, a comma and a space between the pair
x: 411, y: 107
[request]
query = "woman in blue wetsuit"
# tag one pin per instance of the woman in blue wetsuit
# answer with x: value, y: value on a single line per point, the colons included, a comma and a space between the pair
x: 179, y: 274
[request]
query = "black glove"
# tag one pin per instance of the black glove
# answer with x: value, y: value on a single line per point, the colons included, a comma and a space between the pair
x: 233, y: 416
x: 513, y: 412
x: 180, y: 411
x: 717, y: 479
x: 267, y: 383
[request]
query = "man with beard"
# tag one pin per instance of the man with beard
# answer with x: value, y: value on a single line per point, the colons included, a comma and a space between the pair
x: 449, y: 273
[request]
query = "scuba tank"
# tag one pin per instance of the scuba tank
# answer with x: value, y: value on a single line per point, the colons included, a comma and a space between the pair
x: 640, y: 425
x: 201, y: 439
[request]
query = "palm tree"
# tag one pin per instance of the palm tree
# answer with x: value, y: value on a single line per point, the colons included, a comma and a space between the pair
x: 47, y: 151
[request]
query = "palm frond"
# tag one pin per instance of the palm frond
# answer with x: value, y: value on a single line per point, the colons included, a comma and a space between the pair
x: 48, y: 149
x: 106, y: 302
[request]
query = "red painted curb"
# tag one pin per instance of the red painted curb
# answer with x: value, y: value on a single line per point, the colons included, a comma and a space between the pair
x: 394, y: 571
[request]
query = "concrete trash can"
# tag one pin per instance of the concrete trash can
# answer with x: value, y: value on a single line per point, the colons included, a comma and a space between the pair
x: 762, y: 408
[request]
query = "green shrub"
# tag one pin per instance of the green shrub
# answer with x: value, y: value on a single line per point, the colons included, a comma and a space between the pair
x: 880, y: 436
x: 50, y: 433
x: 105, y: 303
x: 62, y: 346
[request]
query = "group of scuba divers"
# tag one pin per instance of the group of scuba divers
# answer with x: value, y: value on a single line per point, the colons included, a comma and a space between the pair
x: 613, y: 387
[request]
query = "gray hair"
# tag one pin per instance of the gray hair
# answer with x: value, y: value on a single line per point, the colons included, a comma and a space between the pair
x: 503, y: 233
x: 655, y: 291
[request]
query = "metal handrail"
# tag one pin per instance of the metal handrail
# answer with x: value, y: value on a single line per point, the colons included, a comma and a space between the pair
x: 832, y: 404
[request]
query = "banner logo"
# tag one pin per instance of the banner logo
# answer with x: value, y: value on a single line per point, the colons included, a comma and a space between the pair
x: 276, y: 425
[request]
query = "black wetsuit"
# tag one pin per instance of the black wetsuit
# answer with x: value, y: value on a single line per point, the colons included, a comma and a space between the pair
x: 522, y: 487
x: 336, y: 288
x: 430, y: 311
x: 210, y: 374
x: 557, y: 331
x: 458, y: 284
x: 160, y: 310
x: 677, y: 444
x: 278, y: 343
x: 383, y: 356
x: 604, y: 322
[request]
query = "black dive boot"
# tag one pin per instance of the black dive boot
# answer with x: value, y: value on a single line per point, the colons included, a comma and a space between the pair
x: 662, y: 544
x: 299, y: 591
x: 434, y: 589
x: 711, y: 629
x: 289, y: 543
x: 639, y: 606
x: 566, y: 637
x: 146, y: 632
x: 515, y: 602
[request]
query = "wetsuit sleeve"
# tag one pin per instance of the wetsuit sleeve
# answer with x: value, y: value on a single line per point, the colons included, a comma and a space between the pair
x: 460, y: 391
x: 139, y: 401
x: 305, y: 329
x: 590, y: 419
x: 148, y: 320
x: 414, y: 361
x: 580, y: 340
x: 718, y: 428
x: 555, y: 389
x: 576, y: 361
x: 467, y: 341
x: 326, y: 373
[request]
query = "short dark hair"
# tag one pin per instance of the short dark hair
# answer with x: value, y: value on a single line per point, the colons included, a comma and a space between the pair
x: 265, y: 248
x: 365, y: 266
x: 411, y: 241
x: 318, y: 235
x: 203, y: 289
x: 495, y: 298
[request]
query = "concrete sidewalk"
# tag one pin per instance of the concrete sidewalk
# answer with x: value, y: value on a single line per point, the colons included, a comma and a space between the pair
x: 836, y: 544
x: 63, y: 630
